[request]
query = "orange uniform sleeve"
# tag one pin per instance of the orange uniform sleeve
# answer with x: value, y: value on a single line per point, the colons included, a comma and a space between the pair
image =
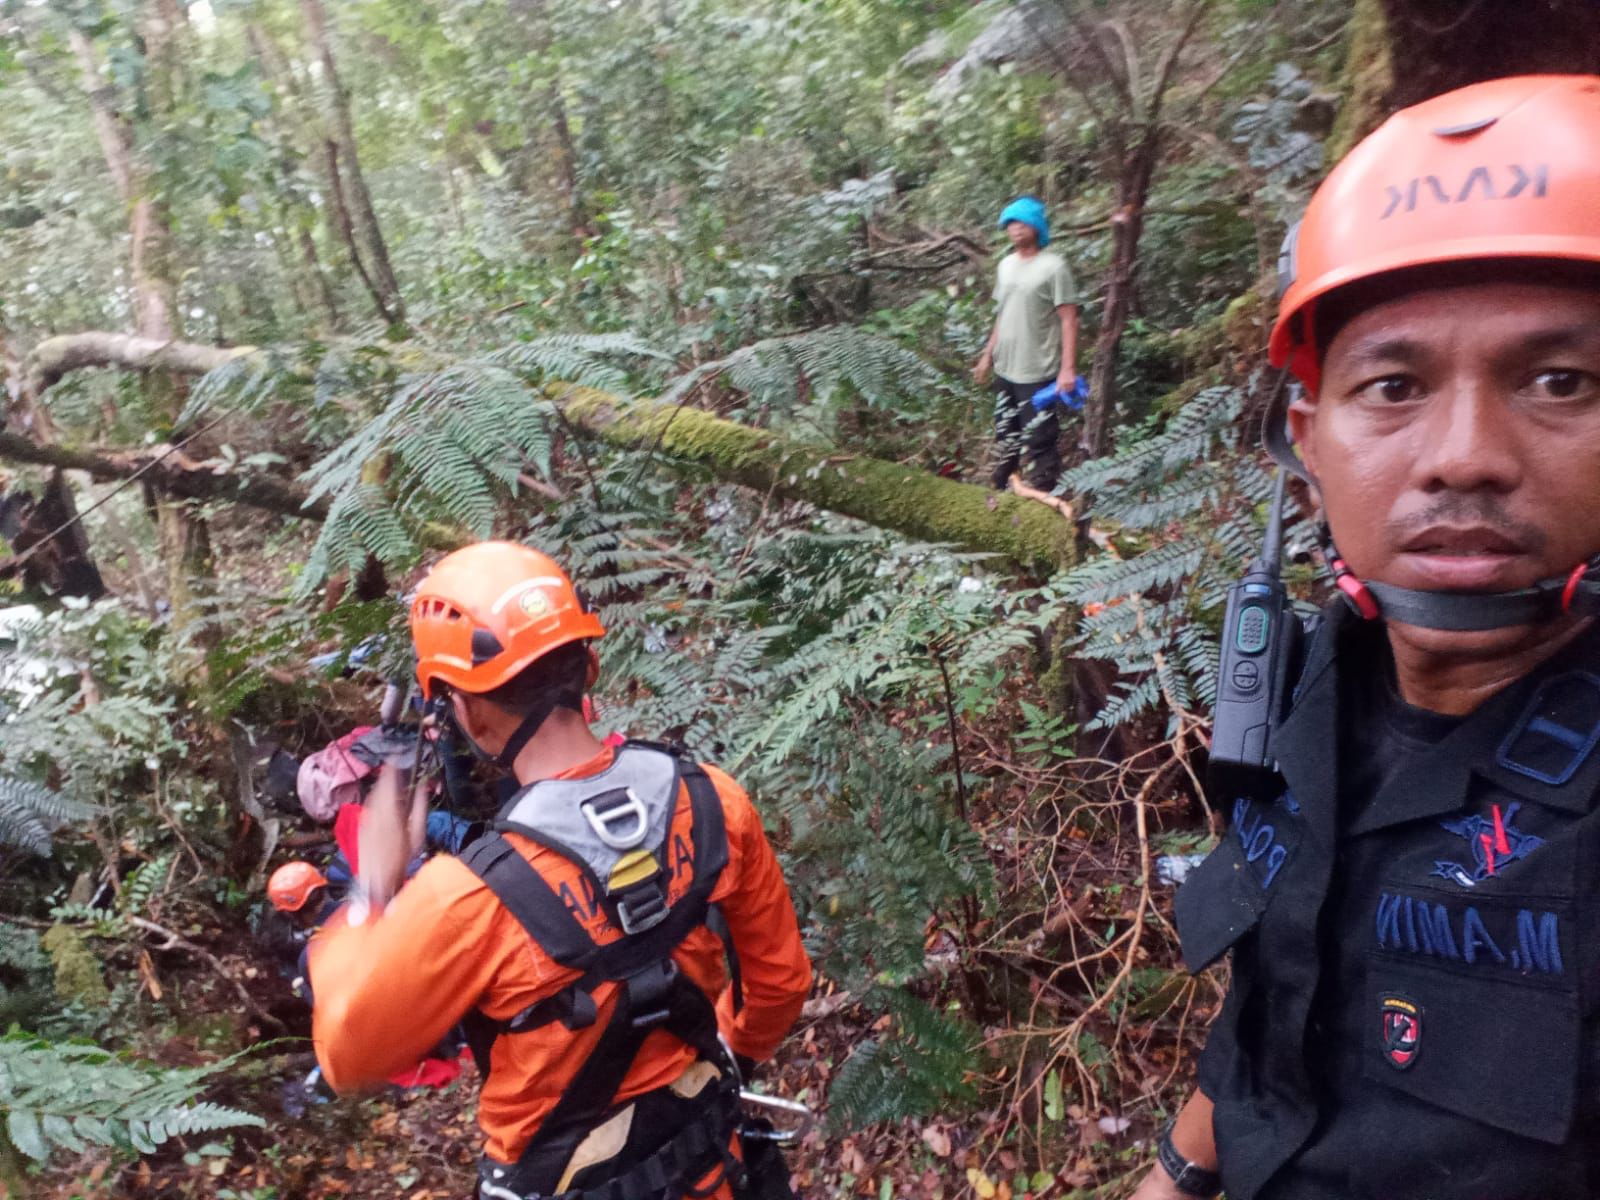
x: 384, y: 992
x: 775, y: 971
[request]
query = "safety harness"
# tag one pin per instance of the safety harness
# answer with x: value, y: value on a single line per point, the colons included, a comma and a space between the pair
x: 616, y: 827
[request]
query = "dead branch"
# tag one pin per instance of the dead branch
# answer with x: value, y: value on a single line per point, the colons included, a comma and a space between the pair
x: 176, y: 941
x: 58, y: 356
x: 172, y: 478
x: 1064, y: 507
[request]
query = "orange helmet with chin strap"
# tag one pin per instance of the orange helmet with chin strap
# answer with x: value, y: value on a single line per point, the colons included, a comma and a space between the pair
x: 484, y: 613
x: 487, y: 612
x: 1509, y: 168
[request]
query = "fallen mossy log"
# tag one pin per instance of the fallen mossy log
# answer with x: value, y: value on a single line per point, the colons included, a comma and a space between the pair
x: 885, y: 494
x: 889, y: 495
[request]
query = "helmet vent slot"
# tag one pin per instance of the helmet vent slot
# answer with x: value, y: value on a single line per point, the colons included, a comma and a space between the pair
x: 485, y: 646
x: 1465, y: 127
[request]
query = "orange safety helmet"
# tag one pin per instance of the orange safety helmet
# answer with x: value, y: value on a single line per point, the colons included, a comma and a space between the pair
x: 485, y: 612
x: 292, y: 885
x: 1504, y: 169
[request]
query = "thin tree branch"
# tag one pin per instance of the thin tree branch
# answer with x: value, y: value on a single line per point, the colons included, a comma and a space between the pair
x: 1169, y: 60
x: 177, y: 941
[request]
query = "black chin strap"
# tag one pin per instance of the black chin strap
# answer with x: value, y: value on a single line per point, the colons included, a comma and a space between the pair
x: 525, y: 730
x: 1577, y: 594
x: 537, y: 716
x: 1275, y: 431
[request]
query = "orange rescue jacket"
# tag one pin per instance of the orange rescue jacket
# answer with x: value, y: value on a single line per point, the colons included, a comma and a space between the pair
x: 389, y: 989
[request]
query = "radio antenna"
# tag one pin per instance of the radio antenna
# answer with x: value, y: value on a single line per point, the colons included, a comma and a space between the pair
x: 1272, y: 544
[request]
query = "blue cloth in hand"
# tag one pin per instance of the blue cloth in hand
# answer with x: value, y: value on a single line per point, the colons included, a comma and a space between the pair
x: 1050, y: 394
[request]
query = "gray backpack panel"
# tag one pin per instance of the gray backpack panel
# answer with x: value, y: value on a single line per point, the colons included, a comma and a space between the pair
x: 597, y: 820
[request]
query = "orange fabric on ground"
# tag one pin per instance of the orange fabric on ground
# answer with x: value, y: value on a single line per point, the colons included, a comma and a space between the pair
x: 388, y: 990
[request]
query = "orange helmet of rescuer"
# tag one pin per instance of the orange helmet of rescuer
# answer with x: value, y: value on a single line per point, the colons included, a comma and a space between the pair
x: 292, y: 885
x: 484, y: 613
x: 1504, y: 169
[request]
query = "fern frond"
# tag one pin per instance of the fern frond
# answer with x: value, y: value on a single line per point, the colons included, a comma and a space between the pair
x: 31, y: 812
x: 70, y: 1095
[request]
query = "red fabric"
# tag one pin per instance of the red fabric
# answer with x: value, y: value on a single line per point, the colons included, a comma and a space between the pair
x: 430, y: 1072
x: 347, y: 833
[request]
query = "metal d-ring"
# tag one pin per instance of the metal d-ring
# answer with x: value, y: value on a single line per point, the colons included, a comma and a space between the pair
x: 602, y: 822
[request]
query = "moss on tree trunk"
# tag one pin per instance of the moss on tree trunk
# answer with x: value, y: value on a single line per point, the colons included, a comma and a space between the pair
x: 1367, y: 76
x: 906, y: 499
x: 1401, y: 52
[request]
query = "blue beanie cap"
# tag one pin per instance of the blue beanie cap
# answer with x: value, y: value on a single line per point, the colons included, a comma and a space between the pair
x: 1030, y: 211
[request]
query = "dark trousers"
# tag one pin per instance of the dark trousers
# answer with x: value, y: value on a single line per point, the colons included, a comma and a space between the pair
x: 1019, y: 430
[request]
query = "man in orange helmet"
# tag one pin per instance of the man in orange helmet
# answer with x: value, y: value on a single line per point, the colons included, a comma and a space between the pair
x: 298, y: 888
x: 1414, y: 1007
x: 583, y: 942
x: 302, y: 895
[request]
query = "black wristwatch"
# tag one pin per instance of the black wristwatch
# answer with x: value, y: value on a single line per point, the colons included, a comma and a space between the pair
x: 1190, y: 1178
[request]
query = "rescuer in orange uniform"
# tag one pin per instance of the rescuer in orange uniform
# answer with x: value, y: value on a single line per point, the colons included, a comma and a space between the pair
x: 587, y: 942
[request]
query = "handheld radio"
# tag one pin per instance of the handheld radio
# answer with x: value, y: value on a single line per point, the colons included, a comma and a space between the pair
x: 1261, y: 643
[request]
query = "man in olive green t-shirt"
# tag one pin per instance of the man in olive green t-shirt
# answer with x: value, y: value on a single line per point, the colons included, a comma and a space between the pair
x: 1034, y: 344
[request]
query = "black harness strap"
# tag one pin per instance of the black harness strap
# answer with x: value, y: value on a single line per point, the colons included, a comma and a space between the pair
x: 718, y: 924
x: 531, y: 900
x: 656, y: 997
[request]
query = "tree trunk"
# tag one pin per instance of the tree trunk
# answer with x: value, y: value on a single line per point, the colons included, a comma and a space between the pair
x: 1137, y: 123
x: 560, y: 153
x: 564, y: 164
x: 1445, y: 44
x: 1127, y: 224
x: 1368, y: 72
x: 154, y: 296
x: 886, y: 494
x: 185, y: 547
x: 50, y: 551
x: 291, y: 118
x: 343, y: 157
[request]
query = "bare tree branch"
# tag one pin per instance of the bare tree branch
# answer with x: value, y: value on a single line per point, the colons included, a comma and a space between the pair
x: 1169, y: 60
x: 58, y: 356
x: 177, y: 477
x: 176, y: 941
